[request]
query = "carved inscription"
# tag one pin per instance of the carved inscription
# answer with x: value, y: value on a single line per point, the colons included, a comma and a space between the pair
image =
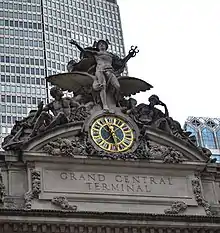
x: 112, y: 183
x: 121, y: 183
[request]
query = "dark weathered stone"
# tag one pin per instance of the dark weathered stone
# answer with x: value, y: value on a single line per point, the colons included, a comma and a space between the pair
x: 106, y: 71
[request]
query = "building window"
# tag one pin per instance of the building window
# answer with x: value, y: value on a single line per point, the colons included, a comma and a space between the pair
x: 3, y: 119
x: 208, y: 139
x: 211, y: 124
x: 193, y: 134
x: 218, y: 138
x: 217, y: 157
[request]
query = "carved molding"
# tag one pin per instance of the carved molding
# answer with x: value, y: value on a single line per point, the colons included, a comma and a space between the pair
x: 176, y: 208
x: 2, y: 189
x: 36, y: 183
x: 63, y: 203
x: 35, y: 189
x: 165, y: 153
x: 13, y: 203
x: 65, y: 147
x: 172, y: 156
x: 69, y: 228
x: 28, y: 196
x: 197, y: 190
x: 30, y: 164
x: 145, y: 150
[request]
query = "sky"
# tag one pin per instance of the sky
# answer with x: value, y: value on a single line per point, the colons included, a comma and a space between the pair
x: 179, y: 43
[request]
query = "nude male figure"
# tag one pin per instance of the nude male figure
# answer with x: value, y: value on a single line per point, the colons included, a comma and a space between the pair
x: 61, y: 108
x: 104, y: 71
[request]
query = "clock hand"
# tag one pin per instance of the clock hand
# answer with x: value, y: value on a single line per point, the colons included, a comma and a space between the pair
x: 113, y: 135
x: 112, y: 132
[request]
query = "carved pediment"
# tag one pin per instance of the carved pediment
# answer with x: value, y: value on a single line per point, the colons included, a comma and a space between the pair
x: 67, y: 131
x: 67, y: 140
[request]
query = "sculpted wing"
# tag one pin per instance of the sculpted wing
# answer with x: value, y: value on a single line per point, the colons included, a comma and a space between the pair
x: 75, y: 81
x: 132, y: 86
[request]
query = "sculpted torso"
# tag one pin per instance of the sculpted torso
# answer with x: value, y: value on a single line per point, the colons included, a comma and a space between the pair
x: 103, y: 60
x: 62, y: 105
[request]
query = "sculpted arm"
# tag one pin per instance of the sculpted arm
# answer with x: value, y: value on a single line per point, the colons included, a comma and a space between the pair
x: 74, y: 104
x: 73, y: 42
x: 48, y: 107
x: 91, y: 51
x: 81, y: 49
x: 165, y: 108
x: 132, y: 53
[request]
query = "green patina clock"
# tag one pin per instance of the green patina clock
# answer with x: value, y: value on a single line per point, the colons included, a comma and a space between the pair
x: 112, y: 134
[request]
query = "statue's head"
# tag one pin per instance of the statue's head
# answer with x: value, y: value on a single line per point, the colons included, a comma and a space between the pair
x: 102, y: 45
x: 56, y: 92
x: 154, y: 100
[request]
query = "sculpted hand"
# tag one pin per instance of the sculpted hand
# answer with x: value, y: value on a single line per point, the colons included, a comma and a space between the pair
x: 40, y: 105
x: 161, y: 103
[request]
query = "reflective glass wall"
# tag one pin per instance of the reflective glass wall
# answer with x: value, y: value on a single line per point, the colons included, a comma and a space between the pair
x: 207, y: 132
x: 34, y: 44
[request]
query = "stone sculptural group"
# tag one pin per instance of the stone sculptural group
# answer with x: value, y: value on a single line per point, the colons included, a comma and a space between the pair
x: 99, y: 90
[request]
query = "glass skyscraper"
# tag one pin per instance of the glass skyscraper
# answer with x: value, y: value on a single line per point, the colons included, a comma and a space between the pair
x: 34, y: 43
x: 207, y: 133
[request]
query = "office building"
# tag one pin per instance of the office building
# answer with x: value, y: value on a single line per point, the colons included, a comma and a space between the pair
x: 34, y: 43
x: 207, y: 133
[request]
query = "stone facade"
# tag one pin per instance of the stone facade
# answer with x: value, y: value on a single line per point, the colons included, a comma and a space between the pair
x: 93, y: 194
x: 99, y: 163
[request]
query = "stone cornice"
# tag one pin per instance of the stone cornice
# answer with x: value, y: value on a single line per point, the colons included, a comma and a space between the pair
x: 79, y: 228
x: 105, y: 223
x: 109, y: 216
x: 43, y: 157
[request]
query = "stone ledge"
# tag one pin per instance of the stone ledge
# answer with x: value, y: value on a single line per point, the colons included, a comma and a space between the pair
x: 111, y: 226
x: 108, y: 216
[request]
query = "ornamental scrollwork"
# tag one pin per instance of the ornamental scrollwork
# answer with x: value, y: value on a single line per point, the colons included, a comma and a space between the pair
x: 63, y: 203
x: 35, y: 189
x: 2, y: 189
x: 197, y: 190
x: 176, y: 208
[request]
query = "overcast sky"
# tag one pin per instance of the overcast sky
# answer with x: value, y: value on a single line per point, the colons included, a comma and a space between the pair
x: 179, y: 42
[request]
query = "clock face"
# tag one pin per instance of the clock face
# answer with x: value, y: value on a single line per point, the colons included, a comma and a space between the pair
x: 112, y: 134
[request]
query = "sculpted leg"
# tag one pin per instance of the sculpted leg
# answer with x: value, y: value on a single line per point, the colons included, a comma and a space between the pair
x: 44, y: 118
x: 59, y: 120
x: 101, y: 79
x: 163, y: 125
x: 115, y: 84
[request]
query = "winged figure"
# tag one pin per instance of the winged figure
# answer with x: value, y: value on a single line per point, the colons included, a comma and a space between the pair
x: 81, y: 82
x: 97, y: 71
